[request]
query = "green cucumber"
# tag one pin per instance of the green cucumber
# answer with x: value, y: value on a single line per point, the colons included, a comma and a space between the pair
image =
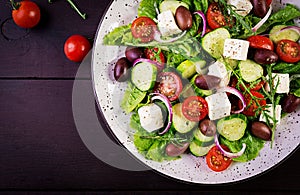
x: 213, y: 42
x: 232, y: 127
x: 171, y: 5
x: 277, y: 35
x: 198, y: 150
x: 199, y: 136
x: 180, y: 123
x: 198, y: 91
x: 143, y: 76
x: 188, y: 68
x: 250, y: 70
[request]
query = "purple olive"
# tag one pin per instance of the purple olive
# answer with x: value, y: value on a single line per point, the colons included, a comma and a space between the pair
x: 133, y: 53
x: 207, y: 127
x: 261, y: 130
x: 121, y: 69
x: 290, y: 103
x: 265, y: 56
x: 259, y: 8
x: 207, y: 81
x: 176, y: 150
x: 184, y: 18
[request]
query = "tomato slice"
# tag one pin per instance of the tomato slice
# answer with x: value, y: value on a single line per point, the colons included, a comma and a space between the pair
x: 288, y: 51
x: 195, y: 108
x: 215, y: 18
x: 169, y: 84
x: 155, y: 54
x: 143, y: 28
x: 251, y: 105
x: 252, y: 86
x: 215, y: 159
x: 261, y: 42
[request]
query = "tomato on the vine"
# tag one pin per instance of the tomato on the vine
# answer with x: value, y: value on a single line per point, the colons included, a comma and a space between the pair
x: 260, y: 42
x: 195, y: 108
x: 251, y: 104
x: 26, y: 14
x: 76, y: 48
x: 155, y: 54
x: 215, y: 17
x: 288, y: 51
x: 215, y: 159
x: 143, y: 28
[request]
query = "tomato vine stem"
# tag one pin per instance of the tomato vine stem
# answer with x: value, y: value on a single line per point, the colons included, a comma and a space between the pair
x: 82, y: 15
x: 15, y: 5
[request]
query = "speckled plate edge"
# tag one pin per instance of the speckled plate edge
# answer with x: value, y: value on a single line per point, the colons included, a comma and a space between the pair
x: 190, y: 169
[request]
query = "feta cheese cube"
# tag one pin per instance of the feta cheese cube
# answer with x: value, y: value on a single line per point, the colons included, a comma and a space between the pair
x: 269, y: 111
x: 151, y: 117
x: 166, y: 24
x: 218, y: 69
x: 219, y: 106
x: 242, y: 7
x: 236, y: 49
x: 283, y: 81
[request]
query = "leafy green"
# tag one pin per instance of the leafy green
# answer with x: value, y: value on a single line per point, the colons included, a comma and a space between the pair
x: 115, y: 37
x: 146, y: 8
x: 289, y: 68
x: 295, y: 87
x: 173, y: 59
x: 254, y: 145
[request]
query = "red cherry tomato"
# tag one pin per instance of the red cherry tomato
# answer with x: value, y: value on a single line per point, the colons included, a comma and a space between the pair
x: 215, y: 18
x: 26, y: 14
x: 255, y: 86
x: 215, y: 159
x: 251, y: 104
x: 195, y: 108
x: 261, y: 42
x: 268, y: 2
x: 155, y: 54
x: 76, y: 47
x: 143, y: 28
x: 288, y: 51
x: 169, y: 84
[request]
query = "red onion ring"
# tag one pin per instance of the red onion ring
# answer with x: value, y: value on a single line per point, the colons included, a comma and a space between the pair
x: 229, y: 154
x: 237, y: 93
x: 159, y: 66
x: 260, y: 23
x: 202, y: 15
x: 295, y: 28
x: 165, y: 100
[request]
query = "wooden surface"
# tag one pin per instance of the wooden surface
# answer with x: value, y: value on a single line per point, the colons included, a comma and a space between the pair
x: 40, y: 148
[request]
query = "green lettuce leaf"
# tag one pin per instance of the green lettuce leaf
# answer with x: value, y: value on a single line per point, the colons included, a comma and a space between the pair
x: 115, y: 37
x: 146, y: 8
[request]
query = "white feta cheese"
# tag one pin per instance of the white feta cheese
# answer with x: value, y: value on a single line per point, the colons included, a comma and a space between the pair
x: 151, y: 117
x: 236, y: 49
x: 166, y: 24
x: 269, y: 111
x: 283, y: 81
x: 219, y: 106
x: 218, y: 69
x: 241, y: 7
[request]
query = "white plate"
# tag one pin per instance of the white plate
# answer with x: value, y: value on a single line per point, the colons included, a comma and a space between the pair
x: 109, y: 93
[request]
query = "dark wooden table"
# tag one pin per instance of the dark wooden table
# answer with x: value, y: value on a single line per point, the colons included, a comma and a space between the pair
x: 40, y: 148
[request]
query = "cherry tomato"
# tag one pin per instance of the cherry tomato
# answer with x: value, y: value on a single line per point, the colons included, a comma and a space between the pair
x: 252, y: 86
x: 155, y: 54
x: 26, y: 14
x: 261, y: 42
x: 76, y: 47
x: 215, y: 18
x: 215, y: 159
x: 195, y: 108
x: 251, y: 105
x: 268, y: 2
x: 169, y: 84
x: 143, y: 28
x: 288, y: 51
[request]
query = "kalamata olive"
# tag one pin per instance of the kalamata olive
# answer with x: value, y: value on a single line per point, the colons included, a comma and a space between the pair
x: 183, y: 18
x: 259, y: 8
x: 176, y: 150
x: 265, y: 56
x: 290, y: 103
x: 261, y: 130
x: 133, y: 53
x: 121, y: 69
x: 207, y: 81
x: 207, y: 127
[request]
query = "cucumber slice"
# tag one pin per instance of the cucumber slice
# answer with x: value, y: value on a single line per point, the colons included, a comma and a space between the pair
x: 276, y: 35
x: 213, y: 42
x: 171, y: 5
x: 250, y: 70
x: 199, y: 136
x: 143, y: 76
x: 232, y: 127
x: 180, y: 123
x: 198, y: 150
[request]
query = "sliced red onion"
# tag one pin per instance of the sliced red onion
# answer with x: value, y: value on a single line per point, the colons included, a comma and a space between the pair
x: 157, y: 37
x: 295, y: 28
x: 159, y: 66
x: 230, y: 154
x: 165, y: 100
x: 202, y: 15
x: 260, y: 23
x: 237, y: 93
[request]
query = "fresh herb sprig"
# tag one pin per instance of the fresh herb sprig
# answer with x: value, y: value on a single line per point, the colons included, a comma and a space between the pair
x: 83, y: 15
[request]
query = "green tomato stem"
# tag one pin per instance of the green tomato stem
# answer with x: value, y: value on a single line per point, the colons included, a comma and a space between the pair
x: 15, y: 5
x: 83, y: 15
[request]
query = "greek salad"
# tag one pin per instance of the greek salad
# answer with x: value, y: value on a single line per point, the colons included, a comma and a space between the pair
x: 209, y: 78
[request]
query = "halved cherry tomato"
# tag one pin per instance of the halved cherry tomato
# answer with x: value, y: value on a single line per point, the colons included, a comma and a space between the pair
x: 288, y: 51
x: 155, y: 54
x: 252, y: 86
x: 215, y: 18
x: 261, y: 42
x: 215, y: 159
x: 195, y: 108
x: 143, y: 28
x: 169, y: 84
x: 251, y: 105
